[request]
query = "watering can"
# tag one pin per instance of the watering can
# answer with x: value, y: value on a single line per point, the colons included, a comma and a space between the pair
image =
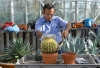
x: 88, y: 22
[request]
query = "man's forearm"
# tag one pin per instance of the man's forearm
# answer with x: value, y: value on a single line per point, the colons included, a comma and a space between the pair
x: 68, y: 26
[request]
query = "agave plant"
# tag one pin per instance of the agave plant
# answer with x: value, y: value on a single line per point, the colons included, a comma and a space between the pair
x: 73, y: 44
x: 91, y: 47
x: 15, y: 50
x: 71, y: 47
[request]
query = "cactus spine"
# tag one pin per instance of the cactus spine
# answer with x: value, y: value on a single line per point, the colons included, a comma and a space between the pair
x: 49, y: 45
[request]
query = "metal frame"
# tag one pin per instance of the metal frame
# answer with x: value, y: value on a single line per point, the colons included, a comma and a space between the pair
x: 76, y: 11
x: 81, y: 0
x: 41, y: 2
x: 12, y: 10
x: 26, y: 14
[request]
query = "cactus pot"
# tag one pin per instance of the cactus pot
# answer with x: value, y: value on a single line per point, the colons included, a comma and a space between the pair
x: 69, y: 58
x: 49, y: 58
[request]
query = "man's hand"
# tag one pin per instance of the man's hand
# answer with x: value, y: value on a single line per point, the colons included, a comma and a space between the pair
x: 66, y: 31
x: 38, y: 34
x: 65, y: 34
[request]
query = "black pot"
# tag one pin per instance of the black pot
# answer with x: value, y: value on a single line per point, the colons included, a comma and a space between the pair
x: 32, y: 25
x: 38, y: 55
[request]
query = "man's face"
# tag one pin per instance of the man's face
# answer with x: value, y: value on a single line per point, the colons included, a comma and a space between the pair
x: 48, y: 14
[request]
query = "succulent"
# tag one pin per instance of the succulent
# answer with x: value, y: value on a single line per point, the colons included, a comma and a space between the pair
x: 73, y: 44
x: 49, y: 45
x: 15, y: 50
x: 91, y: 47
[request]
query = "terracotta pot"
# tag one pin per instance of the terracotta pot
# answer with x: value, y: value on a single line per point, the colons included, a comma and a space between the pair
x: 49, y: 58
x: 69, y: 58
x: 7, y: 65
x: 23, y: 26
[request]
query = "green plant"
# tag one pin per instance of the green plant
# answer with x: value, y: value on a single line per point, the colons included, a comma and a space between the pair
x: 49, y: 45
x: 73, y: 44
x: 15, y: 50
x: 91, y: 47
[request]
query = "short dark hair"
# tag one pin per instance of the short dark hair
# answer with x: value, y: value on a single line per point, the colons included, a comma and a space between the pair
x: 48, y: 6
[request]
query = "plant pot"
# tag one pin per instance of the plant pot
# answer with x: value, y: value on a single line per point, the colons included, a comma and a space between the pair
x: 49, y: 58
x: 69, y: 58
x: 7, y: 65
x: 38, y: 55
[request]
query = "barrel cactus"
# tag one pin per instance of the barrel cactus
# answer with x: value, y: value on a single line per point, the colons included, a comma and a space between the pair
x: 49, y: 45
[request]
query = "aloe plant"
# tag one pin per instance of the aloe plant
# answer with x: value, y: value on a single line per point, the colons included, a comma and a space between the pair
x: 73, y: 44
x: 15, y: 50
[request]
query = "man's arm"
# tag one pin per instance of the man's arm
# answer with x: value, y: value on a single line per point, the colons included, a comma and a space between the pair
x: 38, y: 29
x: 68, y: 27
x: 66, y: 31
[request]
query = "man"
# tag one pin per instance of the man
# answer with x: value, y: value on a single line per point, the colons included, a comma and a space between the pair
x: 50, y: 24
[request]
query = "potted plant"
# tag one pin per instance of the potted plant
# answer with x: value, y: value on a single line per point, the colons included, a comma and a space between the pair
x: 72, y: 46
x: 14, y: 51
x: 49, y: 49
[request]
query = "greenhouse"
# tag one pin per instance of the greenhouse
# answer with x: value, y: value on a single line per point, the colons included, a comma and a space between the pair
x: 26, y: 11
x: 48, y: 33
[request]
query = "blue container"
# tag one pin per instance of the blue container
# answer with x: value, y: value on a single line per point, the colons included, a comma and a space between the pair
x: 88, y: 22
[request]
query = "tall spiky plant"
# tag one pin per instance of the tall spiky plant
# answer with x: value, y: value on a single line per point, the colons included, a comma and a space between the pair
x: 73, y: 44
x: 16, y: 49
x: 91, y: 47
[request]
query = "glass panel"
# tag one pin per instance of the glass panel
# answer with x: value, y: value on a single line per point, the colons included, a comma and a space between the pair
x: 98, y: 13
x: 3, y: 17
x: 19, y: 11
x: 33, y: 10
x: 32, y: 18
x: 81, y: 12
x: 70, y: 11
x: 19, y: 18
x: 19, y: 6
x: 59, y: 9
x: 47, y: 1
x: 90, y: 13
x: 4, y: 11
x: 16, y: 18
x: 8, y: 17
